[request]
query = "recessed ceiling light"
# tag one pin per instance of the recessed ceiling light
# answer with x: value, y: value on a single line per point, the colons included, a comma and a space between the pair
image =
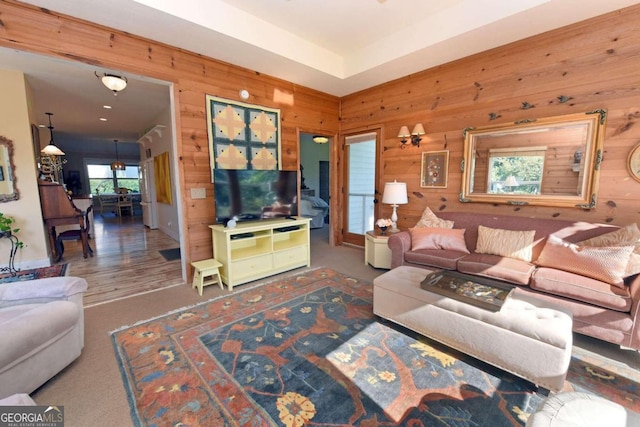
x: 108, y: 107
x: 102, y: 119
x: 42, y: 126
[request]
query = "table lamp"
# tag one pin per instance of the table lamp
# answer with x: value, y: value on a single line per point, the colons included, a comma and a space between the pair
x: 395, y: 193
x: 511, y: 182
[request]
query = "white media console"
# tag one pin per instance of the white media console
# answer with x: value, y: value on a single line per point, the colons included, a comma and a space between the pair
x: 253, y: 250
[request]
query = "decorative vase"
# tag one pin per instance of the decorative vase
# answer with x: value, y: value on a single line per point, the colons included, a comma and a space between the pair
x: 383, y: 231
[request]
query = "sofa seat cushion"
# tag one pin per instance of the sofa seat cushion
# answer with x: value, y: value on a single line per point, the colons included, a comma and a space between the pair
x: 581, y: 288
x: 494, y: 266
x: 439, y: 258
x: 27, y: 329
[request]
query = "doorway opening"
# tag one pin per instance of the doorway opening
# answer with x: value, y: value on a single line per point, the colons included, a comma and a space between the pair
x: 315, y: 178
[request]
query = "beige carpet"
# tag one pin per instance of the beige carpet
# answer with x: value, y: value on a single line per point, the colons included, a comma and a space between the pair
x: 91, y: 389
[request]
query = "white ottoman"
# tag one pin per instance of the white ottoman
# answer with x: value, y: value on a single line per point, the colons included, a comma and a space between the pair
x: 528, y: 337
x: 575, y: 409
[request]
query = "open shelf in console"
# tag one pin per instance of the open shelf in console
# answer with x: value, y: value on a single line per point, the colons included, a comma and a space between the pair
x: 257, y: 244
x: 253, y: 250
x: 290, y: 239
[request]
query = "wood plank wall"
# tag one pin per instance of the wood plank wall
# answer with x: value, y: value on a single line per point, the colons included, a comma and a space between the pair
x: 31, y: 29
x: 594, y: 64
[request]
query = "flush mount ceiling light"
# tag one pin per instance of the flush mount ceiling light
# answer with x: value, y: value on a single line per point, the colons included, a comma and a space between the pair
x: 51, y: 149
x: 112, y: 82
x: 117, y: 165
x: 319, y: 139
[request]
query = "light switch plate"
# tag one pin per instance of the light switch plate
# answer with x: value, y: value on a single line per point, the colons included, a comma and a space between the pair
x: 198, y: 193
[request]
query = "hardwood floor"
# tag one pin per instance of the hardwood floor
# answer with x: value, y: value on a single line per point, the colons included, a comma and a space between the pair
x: 126, y: 260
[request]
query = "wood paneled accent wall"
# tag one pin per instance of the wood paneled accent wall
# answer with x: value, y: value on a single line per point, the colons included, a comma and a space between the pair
x: 37, y: 30
x: 579, y: 68
x: 582, y: 67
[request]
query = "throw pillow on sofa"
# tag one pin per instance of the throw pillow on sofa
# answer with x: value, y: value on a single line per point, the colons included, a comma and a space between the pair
x: 438, y: 238
x: 429, y: 219
x: 507, y: 243
x: 625, y: 236
x: 607, y: 263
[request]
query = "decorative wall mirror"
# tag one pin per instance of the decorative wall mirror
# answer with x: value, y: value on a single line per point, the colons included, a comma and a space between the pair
x: 546, y: 162
x: 8, y: 189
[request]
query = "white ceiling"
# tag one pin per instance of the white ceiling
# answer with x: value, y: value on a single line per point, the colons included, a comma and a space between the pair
x: 75, y: 96
x: 335, y: 46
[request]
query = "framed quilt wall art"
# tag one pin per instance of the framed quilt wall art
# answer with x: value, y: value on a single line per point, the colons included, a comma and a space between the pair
x: 242, y: 136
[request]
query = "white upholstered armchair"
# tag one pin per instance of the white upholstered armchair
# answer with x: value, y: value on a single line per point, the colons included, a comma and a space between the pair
x: 41, y: 331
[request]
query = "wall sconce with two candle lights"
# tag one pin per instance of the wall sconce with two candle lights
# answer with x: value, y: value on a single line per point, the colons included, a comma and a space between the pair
x: 418, y: 130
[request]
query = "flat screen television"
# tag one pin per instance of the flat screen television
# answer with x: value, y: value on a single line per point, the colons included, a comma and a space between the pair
x: 251, y: 195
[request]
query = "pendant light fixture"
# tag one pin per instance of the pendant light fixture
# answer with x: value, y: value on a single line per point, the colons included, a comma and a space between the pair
x: 117, y: 165
x: 51, y: 149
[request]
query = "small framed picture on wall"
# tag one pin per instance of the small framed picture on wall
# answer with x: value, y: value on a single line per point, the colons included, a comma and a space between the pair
x: 434, y: 169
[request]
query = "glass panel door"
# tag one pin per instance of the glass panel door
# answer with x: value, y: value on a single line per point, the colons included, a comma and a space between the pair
x: 360, y: 188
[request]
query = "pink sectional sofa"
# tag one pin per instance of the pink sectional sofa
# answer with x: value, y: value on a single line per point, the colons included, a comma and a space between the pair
x: 601, y: 310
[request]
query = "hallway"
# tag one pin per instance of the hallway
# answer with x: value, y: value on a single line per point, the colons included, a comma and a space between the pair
x: 126, y: 260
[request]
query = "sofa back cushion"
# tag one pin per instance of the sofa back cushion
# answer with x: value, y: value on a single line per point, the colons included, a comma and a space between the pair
x: 507, y: 243
x: 429, y: 219
x: 572, y: 231
x: 625, y: 236
x: 607, y: 264
x: 438, y: 238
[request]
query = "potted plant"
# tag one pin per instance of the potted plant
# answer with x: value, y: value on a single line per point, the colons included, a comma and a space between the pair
x: 7, y: 229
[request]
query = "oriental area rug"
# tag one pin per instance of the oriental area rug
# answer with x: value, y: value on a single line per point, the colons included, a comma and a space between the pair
x: 307, y: 350
x: 35, y: 273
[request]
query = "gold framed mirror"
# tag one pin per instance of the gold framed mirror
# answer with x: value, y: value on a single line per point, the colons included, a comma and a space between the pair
x: 546, y: 162
x: 8, y: 189
x: 633, y: 163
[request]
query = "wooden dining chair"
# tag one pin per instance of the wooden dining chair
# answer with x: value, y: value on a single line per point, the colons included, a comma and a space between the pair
x: 75, y: 234
x: 125, y: 202
x: 110, y: 203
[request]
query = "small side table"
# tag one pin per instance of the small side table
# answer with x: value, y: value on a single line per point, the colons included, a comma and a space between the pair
x: 376, y: 250
x: 203, y: 269
x: 12, y: 255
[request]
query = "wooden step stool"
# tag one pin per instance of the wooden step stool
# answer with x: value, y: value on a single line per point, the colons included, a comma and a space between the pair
x: 204, y: 269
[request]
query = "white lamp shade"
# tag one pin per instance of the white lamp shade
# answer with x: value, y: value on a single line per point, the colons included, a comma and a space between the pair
x: 52, y: 150
x: 395, y: 193
x: 418, y: 129
x: 511, y: 181
x: 404, y: 132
